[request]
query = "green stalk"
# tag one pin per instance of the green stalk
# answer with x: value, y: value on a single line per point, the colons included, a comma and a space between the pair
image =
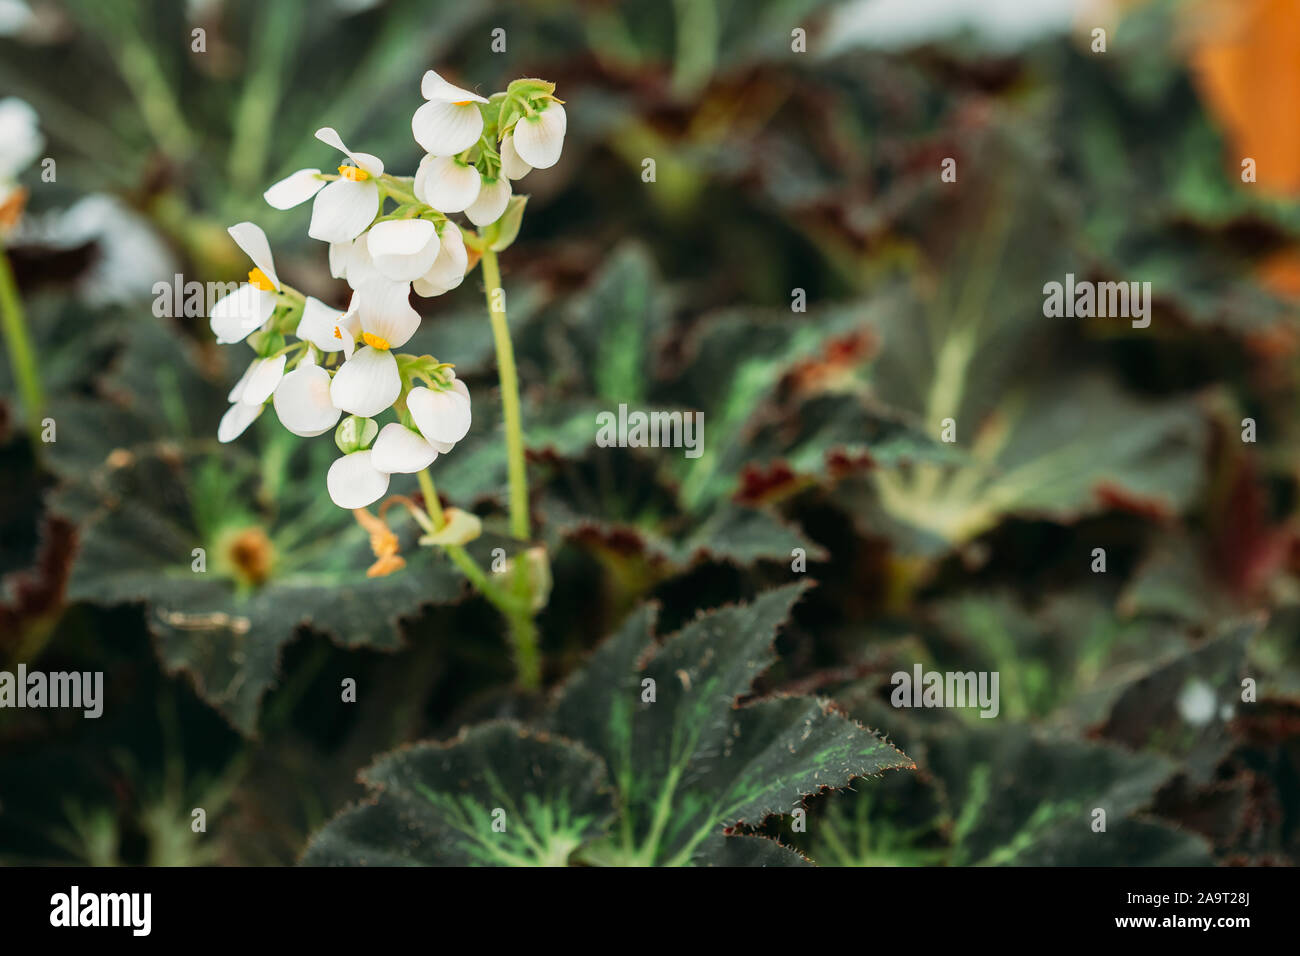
x: 515, y: 608
x: 18, y: 342
x: 509, y: 398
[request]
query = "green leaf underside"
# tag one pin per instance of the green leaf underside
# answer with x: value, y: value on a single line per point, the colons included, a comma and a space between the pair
x: 437, y: 805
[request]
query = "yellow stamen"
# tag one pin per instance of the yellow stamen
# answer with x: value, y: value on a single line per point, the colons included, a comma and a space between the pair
x: 375, y: 342
x: 462, y: 102
x: 338, y: 334
x: 259, y: 280
x: 354, y: 173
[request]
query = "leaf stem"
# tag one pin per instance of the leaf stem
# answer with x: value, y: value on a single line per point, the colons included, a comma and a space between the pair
x: 509, y: 396
x: 22, y: 357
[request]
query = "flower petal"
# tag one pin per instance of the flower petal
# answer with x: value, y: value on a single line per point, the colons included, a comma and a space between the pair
x: 448, y: 270
x: 403, y: 249
x: 295, y: 189
x: 241, y: 313
x: 339, y: 254
x: 236, y: 420
x: 367, y: 383
x: 260, y: 380
x: 493, y: 197
x: 317, y: 325
x: 512, y: 167
x: 442, y: 416
x: 445, y: 184
x: 444, y: 128
x: 343, y: 210
x: 367, y: 161
x: 539, y: 138
x: 399, y: 450
x: 386, y: 311
x: 250, y: 237
x: 302, y: 402
x: 434, y: 87
x: 354, y: 482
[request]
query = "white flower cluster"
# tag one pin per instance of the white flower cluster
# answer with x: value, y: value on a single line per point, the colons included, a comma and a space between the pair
x: 344, y: 362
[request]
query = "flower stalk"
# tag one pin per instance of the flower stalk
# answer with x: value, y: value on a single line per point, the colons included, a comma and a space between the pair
x: 18, y: 343
x: 509, y: 377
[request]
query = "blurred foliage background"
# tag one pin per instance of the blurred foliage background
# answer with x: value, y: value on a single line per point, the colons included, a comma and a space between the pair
x: 776, y: 171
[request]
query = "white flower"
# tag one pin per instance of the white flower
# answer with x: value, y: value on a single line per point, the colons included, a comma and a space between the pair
x: 450, y: 122
x: 446, y: 184
x: 443, y: 417
x: 21, y: 141
x: 258, y: 381
x: 302, y: 401
x: 249, y: 396
x: 539, y: 138
x: 403, y: 249
x: 448, y: 270
x: 492, y: 200
x: 352, y: 261
x: 236, y: 420
x: 401, y: 450
x: 369, y: 382
x: 345, y: 207
x: 242, y: 312
x: 512, y: 167
x: 354, y: 482
x: 329, y: 329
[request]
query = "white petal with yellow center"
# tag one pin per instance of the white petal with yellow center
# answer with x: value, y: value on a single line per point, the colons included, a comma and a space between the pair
x: 367, y: 383
x: 373, y: 165
x: 328, y: 329
x: 343, y: 210
x: 445, y: 184
x: 387, y: 318
x: 540, y: 137
x: 295, y: 189
x: 403, y: 249
x: 354, y: 482
x: 493, y: 197
x: 302, y: 402
x: 241, y: 313
x: 250, y: 237
x: 401, y: 451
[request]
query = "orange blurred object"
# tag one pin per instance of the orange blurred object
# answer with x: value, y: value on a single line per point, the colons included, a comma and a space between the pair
x: 1246, y: 59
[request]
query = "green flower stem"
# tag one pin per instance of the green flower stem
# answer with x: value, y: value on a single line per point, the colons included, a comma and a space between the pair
x: 22, y: 357
x: 515, y: 608
x: 509, y: 398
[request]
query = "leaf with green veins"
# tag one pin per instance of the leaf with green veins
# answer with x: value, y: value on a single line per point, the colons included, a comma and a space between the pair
x: 691, y: 764
x: 268, y: 573
x: 499, y: 795
x: 1061, y: 452
x: 685, y: 770
x: 1016, y: 798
